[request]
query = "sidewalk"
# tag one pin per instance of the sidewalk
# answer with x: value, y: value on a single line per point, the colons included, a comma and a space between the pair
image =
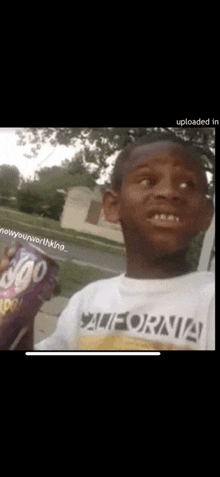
x: 47, y: 317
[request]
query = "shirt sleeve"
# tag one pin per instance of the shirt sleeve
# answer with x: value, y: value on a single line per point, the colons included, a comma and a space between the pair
x: 210, y: 342
x: 65, y: 336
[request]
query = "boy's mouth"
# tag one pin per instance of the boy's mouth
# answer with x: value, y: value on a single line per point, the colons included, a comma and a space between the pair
x: 167, y: 223
x: 165, y: 219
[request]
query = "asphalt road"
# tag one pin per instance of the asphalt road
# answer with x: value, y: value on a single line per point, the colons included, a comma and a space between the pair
x: 86, y: 256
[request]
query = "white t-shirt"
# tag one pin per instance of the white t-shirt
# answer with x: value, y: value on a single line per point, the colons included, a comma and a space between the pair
x: 123, y: 313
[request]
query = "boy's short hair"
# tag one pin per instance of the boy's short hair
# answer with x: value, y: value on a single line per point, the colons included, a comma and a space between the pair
x: 124, y: 155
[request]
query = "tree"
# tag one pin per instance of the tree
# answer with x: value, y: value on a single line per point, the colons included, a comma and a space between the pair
x: 72, y: 172
x: 42, y: 196
x: 34, y: 197
x: 28, y: 197
x: 9, y: 180
x: 100, y: 143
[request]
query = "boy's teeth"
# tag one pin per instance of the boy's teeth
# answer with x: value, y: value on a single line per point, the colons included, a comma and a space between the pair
x: 166, y: 217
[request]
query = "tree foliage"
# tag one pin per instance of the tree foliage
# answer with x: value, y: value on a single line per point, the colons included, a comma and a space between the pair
x: 9, y: 180
x: 100, y: 143
x: 46, y: 194
x: 72, y: 172
x: 36, y: 198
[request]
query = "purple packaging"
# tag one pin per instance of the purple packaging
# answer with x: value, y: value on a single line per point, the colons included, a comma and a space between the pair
x: 29, y: 280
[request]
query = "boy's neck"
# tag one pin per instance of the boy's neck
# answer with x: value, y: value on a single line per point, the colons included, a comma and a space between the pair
x: 168, y: 266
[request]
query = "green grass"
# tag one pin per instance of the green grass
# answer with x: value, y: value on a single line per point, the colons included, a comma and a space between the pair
x: 48, y: 228
x: 74, y: 277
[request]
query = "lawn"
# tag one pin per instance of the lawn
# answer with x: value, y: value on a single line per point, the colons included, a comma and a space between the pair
x: 42, y: 227
x: 72, y: 277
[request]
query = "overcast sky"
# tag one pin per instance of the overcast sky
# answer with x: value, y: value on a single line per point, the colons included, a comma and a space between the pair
x: 12, y: 154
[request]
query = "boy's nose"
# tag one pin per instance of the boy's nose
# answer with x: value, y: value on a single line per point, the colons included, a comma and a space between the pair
x: 166, y: 189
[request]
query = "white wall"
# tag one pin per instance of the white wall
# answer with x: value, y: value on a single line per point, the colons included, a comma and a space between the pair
x: 75, y: 212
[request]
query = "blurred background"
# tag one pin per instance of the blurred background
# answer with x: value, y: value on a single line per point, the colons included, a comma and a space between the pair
x: 51, y: 186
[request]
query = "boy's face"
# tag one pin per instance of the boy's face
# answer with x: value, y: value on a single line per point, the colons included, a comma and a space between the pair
x: 162, y: 198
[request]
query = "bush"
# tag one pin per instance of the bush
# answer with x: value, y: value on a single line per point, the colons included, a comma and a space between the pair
x: 27, y: 198
x: 9, y: 202
x: 33, y: 198
x: 54, y: 209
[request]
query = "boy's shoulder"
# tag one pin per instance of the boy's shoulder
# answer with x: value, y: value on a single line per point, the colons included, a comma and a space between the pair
x: 103, y: 285
x: 205, y: 277
x: 197, y: 282
x: 201, y: 281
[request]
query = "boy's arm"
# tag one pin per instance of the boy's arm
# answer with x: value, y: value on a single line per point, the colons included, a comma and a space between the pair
x: 25, y: 337
x: 27, y: 340
x: 66, y: 334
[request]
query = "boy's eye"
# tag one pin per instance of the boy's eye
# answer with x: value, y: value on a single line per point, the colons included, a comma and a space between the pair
x: 186, y: 184
x: 183, y: 185
x: 146, y: 182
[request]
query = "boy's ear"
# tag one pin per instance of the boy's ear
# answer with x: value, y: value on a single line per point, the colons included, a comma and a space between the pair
x: 110, y: 206
x: 207, y: 214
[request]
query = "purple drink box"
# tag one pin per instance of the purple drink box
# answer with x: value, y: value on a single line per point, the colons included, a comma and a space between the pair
x: 29, y: 280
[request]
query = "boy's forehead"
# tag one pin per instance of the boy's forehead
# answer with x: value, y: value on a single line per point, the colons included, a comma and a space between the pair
x: 158, y: 152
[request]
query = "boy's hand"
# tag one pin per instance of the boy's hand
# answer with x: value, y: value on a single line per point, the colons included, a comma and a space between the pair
x: 25, y: 337
x: 5, y: 258
x: 48, y: 293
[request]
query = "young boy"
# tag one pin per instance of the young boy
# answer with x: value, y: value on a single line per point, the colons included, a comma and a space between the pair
x: 158, y: 194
